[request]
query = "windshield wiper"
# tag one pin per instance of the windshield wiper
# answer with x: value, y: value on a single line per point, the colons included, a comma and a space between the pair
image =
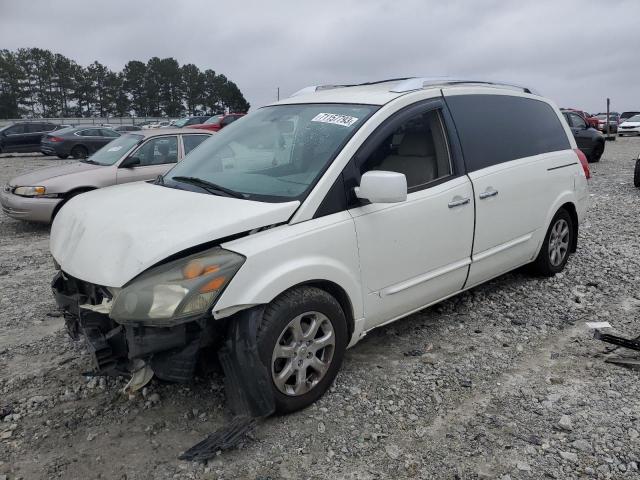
x: 209, y: 186
x: 88, y: 160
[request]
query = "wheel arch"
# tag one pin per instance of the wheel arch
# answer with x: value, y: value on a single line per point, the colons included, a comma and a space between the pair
x: 337, y: 292
x: 573, y: 213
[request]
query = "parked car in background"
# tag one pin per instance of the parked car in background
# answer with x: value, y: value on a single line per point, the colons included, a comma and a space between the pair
x: 218, y: 122
x: 613, y: 122
x: 79, y: 142
x: 626, y: 115
x: 24, y: 136
x: 591, y: 120
x: 191, y: 121
x: 588, y: 139
x: 37, y: 196
x: 127, y: 128
x: 631, y: 126
x: 390, y: 197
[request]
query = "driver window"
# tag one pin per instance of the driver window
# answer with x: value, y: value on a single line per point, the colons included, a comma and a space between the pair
x: 158, y: 151
x: 418, y: 148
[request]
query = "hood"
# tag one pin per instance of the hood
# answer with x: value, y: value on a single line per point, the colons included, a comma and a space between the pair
x: 37, y: 177
x: 630, y: 124
x: 109, y: 236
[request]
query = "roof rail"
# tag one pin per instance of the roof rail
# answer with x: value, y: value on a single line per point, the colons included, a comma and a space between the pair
x: 317, y: 88
x: 418, y: 83
x: 409, y: 84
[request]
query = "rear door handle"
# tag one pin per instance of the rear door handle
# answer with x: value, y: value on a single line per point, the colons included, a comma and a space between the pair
x: 488, y: 193
x: 457, y: 202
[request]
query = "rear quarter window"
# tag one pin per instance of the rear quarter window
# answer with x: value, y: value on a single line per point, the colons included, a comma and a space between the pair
x: 499, y: 128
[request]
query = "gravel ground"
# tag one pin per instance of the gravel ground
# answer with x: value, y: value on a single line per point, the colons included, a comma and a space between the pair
x: 503, y: 381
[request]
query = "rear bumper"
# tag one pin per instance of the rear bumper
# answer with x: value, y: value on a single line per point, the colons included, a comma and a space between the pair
x: 171, y: 352
x: 28, y: 208
x: 53, y: 149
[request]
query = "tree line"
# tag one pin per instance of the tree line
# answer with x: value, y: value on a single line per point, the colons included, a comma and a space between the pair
x: 39, y: 83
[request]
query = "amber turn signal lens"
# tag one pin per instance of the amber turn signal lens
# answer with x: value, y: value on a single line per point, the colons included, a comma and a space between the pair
x: 212, y: 285
x: 192, y: 270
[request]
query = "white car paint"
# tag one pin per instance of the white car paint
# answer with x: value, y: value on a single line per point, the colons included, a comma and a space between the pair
x: 109, y: 236
x: 626, y: 128
x: 390, y: 259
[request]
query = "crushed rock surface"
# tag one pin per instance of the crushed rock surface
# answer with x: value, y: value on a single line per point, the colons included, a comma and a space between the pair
x: 503, y: 381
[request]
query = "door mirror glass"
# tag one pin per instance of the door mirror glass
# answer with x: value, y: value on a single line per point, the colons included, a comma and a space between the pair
x: 379, y: 186
x: 130, y: 162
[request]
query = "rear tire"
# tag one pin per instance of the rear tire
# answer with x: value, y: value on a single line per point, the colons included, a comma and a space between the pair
x: 596, y: 152
x: 78, y: 152
x: 636, y: 174
x: 556, y: 246
x: 302, y: 340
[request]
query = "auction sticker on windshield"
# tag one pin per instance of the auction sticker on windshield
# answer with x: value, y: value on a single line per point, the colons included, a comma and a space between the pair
x: 343, y: 120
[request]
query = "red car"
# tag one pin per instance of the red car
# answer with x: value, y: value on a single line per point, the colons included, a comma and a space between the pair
x: 218, y: 122
x: 591, y: 120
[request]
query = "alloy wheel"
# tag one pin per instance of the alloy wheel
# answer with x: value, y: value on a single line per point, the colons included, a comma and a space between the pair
x: 303, y: 353
x: 559, y: 242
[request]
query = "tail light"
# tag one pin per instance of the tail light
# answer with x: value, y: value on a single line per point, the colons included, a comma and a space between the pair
x: 583, y: 162
x: 54, y: 139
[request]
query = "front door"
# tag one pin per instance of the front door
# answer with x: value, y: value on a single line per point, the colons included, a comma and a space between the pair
x: 415, y: 252
x: 157, y: 155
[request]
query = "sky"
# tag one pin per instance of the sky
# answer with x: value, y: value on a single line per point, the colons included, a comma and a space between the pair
x: 577, y: 53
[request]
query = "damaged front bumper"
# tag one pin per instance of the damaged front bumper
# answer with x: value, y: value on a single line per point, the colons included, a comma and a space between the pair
x: 116, y: 349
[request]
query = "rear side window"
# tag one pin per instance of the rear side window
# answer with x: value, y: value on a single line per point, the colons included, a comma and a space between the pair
x: 192, y: 141
x: 499, y: 128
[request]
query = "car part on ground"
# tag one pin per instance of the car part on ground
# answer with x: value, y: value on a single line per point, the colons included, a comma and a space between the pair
x: 636, y: 173
x: 307, y: 216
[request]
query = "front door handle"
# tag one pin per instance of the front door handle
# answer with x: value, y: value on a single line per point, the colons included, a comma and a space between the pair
x: 488, y: 193
x: 458, y: 202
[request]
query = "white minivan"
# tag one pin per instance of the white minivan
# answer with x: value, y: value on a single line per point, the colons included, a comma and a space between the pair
x: 284, y: 239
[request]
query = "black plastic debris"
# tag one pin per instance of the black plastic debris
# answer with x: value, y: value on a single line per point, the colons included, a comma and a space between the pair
x: 247, y: 388
x: 628, y: 343
x: 225, y: 438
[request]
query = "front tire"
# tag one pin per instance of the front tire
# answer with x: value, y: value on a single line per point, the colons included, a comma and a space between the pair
x: 556, y: 247
x: 636, y: 174
x: 302, y: 340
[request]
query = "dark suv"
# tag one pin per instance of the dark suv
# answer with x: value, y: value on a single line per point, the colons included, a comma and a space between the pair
x: 24, y: 136
x: 589, y: 140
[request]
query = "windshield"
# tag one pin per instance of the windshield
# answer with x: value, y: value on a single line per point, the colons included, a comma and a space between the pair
x: 635, y: 118
x: 214, y: 119
x: 275, y: 154
x: 113, y: 151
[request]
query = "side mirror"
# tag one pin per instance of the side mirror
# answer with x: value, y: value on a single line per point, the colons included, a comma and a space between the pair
x: 130, y: 162
x: 382, y: 187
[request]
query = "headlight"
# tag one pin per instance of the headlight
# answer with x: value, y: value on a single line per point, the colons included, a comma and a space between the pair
x: 172, y: 293
x: 30, y: 191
